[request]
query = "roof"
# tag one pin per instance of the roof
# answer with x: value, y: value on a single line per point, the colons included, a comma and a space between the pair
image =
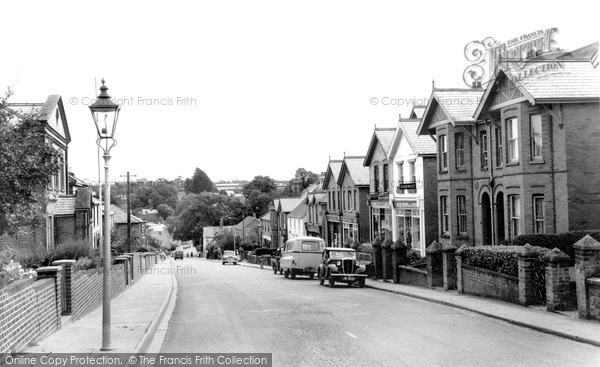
x: 417, y: 112
x: 382, y: 136
x: 354, y: 167
x: 421, y: 144
x: 120, y: 216
x: 557, y: 78
x: 457, y: 104
x: 332, y: 173
x: 65, y: 205
x: 299, y: 211
x: 210, y: 232
x: 287, y: 204
x: 266, y: 216
x: 247, y: 222
x: 44, y: 111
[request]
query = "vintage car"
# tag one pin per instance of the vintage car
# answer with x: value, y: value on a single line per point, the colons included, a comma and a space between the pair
x: 301, y: 256
x: 339, y: 264
x: 229, y: 257
x: 178, y: 255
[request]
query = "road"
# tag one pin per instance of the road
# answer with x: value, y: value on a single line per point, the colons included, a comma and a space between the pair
x: 227, y: 309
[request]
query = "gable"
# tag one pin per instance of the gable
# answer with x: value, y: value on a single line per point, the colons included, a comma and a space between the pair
x: 505, y: 92
x: 378, y: 154
x: 439, y: 115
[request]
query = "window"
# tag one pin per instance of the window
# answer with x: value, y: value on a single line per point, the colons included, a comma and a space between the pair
x: 412, y: 175
x: 536, y: 135
x: 401, y: 172
x: 339, y: 199
x: 376, y: 178
x: 538, y: 214
x: 460, y: 150
x: 443, y: 153
x: 349, y: 201
x: 515, y: 215
x: 386, y: 179
x: 444, y: 214
x: 355, y: 199
x: 344, y: 203
x: 499, y: 148
x: 461, y: 207
x: 512, y: 128
x: 329, y: 202
x: 483, y: 149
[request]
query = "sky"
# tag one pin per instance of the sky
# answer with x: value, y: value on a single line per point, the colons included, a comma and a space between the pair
x: 247, y: 88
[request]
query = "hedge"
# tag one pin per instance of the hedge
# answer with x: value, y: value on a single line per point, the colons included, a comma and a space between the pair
x: 563, y: 241
x: 501, y: 259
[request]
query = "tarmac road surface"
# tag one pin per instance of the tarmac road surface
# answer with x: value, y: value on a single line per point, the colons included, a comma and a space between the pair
x: 236, y: 309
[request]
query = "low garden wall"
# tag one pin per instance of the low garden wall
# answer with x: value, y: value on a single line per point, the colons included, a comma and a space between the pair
x: 31, y: 309
x: 487, y: 283
x: 412, y: 276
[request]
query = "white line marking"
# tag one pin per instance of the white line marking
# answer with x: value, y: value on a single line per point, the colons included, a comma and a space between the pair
x: 351, y: 335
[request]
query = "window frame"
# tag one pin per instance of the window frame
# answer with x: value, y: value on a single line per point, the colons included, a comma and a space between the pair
x: 514, y: 207
x: 459, y: 151
x: 499, y: 147
x: 443, y: 152
x: 461, y: 214
x: 512, y: 136
x: 484, y: 150
x: 539, y: 219
x: 533, y: 151
x: 444, y: 216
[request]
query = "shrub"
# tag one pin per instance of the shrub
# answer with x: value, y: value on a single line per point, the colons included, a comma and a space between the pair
x: 501, y: 259
x: 85, y: 263
x: 414, y: 258
x: 13, y: 271
x: 70, y: 250
x: 563, y: 241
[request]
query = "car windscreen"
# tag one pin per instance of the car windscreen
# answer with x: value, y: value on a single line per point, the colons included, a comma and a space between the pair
x: 310, y: 246
x: 342, y: 254
x: 229, y: 253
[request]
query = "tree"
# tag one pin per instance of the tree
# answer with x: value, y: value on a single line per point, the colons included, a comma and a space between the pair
x: 26, y: 164
x: 165, y: 211
x: 199, y: 183
x: 302, y: 179
x: 258, y: 202
x: 204, y: 211
x: 263, y: 184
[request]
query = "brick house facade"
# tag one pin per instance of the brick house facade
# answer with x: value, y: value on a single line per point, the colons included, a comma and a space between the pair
x: 377, y: 159
x: 523, y: 158
x: 333, y: 232
x: 353, y: 182
x: 53, y: 130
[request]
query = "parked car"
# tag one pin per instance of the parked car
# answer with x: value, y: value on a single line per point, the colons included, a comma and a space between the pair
x: 301, y: 256
x: 178, y: 255
x: 340, y: 265
x: 229, y: 257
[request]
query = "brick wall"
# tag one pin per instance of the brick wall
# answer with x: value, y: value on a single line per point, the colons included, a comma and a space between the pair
x: 412, y: 276
x: 87, y: 288
x: 28, y: 313
x: 486, y: 283
x: 582, y: 125
x: 593, y: 285
x: 430, y: 199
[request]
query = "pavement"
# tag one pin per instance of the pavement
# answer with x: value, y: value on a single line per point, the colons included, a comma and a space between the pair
x: 565, y: 325
x: 140, y: 327
x: 139, y: 316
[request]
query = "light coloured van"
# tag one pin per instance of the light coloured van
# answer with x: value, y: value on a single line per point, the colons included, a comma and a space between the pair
x: 301, y: 256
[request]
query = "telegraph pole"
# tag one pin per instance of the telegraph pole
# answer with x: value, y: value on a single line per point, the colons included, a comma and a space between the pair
x: 128, y: 211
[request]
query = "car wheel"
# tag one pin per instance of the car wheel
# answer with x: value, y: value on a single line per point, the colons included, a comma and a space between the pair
x: 275, y: 270
x: 311, y: 275
x: 349, y: 283
x: 331, y: 281
x: 223, y: 262
x: 286, y: 273
x: 321, y: 278
x: 280, y: 271
x: 361, y: 282
x: 292, y: 275
x: 234, y: 263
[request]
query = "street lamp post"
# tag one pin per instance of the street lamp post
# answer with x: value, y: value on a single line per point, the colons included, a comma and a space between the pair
x: 105, y: 113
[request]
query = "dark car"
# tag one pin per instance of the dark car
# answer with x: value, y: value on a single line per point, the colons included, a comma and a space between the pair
x: 178, y: 255
x: 366, y: 259
x: 340, y: 265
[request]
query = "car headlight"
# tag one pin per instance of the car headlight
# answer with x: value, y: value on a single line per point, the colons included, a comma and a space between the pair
x: 338, y: 263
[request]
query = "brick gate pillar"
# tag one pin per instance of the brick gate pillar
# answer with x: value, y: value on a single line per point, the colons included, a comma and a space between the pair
x: 587, y: 264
